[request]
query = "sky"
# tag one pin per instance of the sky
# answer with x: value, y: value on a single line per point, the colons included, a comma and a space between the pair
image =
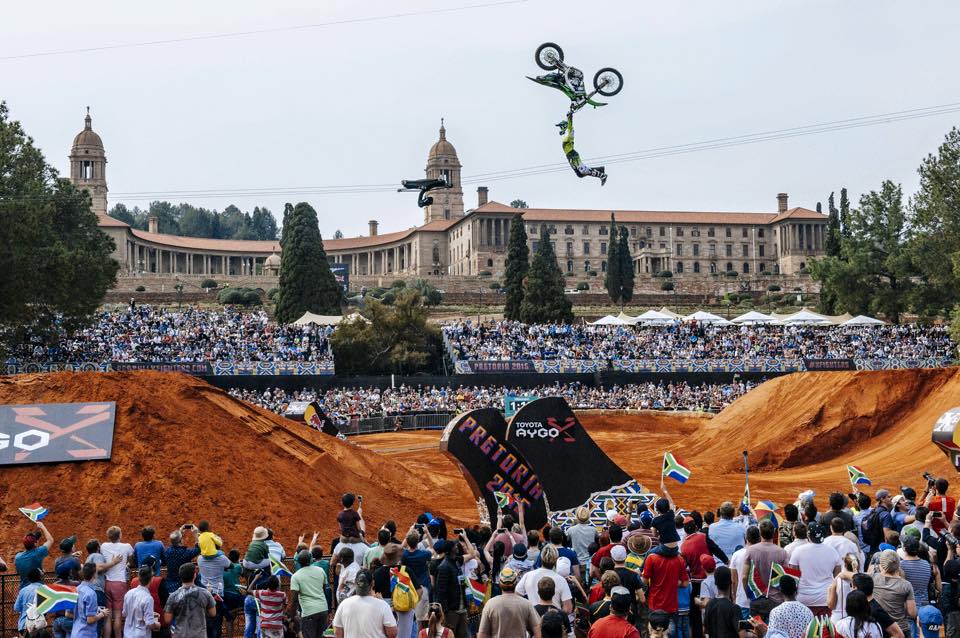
x: 289, y: 112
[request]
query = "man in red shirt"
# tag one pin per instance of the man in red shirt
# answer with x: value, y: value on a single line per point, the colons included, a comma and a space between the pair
x: 616, y: 538
x: 664, y: 575
x: 938, y: 501
x: 615, y: 625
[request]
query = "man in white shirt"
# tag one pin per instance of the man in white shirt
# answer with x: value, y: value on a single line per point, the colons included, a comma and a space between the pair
x: 116, y: 585
x: 841, y: 544
x: 738, y: 565
x: 139, y: 618
x: 562, y: 598
x: 800, y: 538
x: 818, y: 565
x: 363, y: 615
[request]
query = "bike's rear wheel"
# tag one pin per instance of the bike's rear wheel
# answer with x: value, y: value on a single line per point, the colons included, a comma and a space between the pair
x: 608, y: 82
x: 547, y: 56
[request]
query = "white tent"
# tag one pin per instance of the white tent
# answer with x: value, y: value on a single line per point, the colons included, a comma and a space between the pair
x: 653, y: 317
x: 668, y: 312
x: 319, y: 320
x: 862, y: 320
x: 610, y: 320
x: 753, y: 317
x: 707, y: 317
x: 806, y: 318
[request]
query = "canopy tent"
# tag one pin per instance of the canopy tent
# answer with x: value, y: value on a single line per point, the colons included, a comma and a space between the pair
x: 668, y: 312
x: 862, y: 320
x: 806, y: 318
x: 319, y: 320
x: 753, y: 318
x: 653, y: 317
x: 707, y: 317
x: 610, y: 320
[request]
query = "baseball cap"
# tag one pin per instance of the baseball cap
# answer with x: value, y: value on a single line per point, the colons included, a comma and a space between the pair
x: 621, y: 520
x: 930, y: 621
x: 520, y: 551
x: 563, y: 566
x: 908, y: 492
x: 659, y: 619
x: 67, y: 544
x: 508, y: 576
x: 708, y: 562
x: 29, y: 541
x: 896, y: 499
x: 882, y: 494
x: 440, y: 546
x: 611, y: 514
x: 646, y: 518
x: 886, y: 546
x: 618, y: 553
x: 815, y: 532
x: 620, y: 599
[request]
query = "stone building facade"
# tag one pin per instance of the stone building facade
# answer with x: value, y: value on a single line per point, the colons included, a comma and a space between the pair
x: 460, y: 242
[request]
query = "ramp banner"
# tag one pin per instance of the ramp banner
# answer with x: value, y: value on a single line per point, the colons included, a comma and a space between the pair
x: 313, y: 415
x: 56, y: 432
x: 188, y: 367
x: 829, y: 365
x: 476, y: 440
x: 573, y: 470
x: 946, y: 435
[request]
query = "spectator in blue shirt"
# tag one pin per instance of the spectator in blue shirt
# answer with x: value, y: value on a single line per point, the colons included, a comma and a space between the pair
x: 863, y: 504
x: 726, y: 533
x: 149, y: 547
x: 32, y: 556
x: 27, y: 595
x: 175, y: 556
x: 556, y: 537
x: 88, y: 614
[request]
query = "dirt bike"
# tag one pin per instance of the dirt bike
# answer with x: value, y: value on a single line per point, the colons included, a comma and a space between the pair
x: 424, y: 186
x: 568, y: 79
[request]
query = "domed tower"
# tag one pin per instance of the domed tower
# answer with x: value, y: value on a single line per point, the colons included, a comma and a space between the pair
x: 443, y: 162
x: 88, y: 165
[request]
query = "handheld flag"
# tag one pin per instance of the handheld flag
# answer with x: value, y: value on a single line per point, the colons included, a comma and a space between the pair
x: 674, y: 468
x: 813, y: 629
x: 476, y: 592
x: 857, y: 477
x: 755, y: 586
x: 278, y: 569
x: 54, y: 598
x: 745, y: 501
x: 504, y: 500
x: 35, y: 512
x: 778, y: 572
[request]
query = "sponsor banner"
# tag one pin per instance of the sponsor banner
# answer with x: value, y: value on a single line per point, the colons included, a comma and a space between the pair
x: 480, y: 367
x: 342, y: 273
x: 829, y: 365
x: 477, y: 441
x: 269, y: 368
x: 13, y: 366
x: 946, y: 435
x: 188, y: 367
x: 512, y: 403
x: 571, y: 466
x: 56, y: 432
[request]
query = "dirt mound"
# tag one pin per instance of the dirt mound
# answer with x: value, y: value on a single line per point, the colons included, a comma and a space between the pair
x: 184, y: 450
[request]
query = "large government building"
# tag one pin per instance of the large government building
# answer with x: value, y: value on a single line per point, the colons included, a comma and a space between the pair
x: 455, y: 240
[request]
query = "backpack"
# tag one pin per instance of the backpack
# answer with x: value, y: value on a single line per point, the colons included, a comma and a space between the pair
x: 404, y: 595
x: 872, y: 529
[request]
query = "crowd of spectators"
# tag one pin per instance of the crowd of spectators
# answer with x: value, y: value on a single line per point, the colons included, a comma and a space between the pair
x: 340, y: 403
x: 511, y: 341
x: 138, y: 333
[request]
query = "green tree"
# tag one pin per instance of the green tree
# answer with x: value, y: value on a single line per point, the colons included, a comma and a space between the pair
x: 196, y: 222
x: 395, y: 339
x: 873, y: 272
x: 613, y: 282
x: 544, y: 300
x: 516, y: 268
x: 844, y: 213
x: 55, y: 263
x: 338, y: 234
x: 168, y: 218
x: 263, y: 224
x: 935, y: 227
x: 832, y: 240
x: 285, y: 224
x: 519, y: 203
x: 305, y: 277
x: 626, y: 267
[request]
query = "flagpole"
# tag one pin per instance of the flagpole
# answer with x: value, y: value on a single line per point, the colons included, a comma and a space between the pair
x: 746, y: 471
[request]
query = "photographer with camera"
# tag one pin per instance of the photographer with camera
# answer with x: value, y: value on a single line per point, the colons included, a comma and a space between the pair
x: 936, y: 500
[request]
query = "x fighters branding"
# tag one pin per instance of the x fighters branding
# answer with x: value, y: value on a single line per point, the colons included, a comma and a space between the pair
x: 553, y: 430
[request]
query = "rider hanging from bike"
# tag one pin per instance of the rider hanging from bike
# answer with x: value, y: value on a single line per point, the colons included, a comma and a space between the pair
x: 573, y: 157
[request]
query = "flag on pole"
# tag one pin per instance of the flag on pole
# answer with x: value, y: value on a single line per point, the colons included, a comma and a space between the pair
x: 746, y: 494
x: 278, y: 569
x: 755, y: 586
x: 54, y: 598
x: 34, y: 511
x: 857, y: 477
x: 674, y: 468
x: 504, y: 500
x: 778, y: 572
x: 813, y: 629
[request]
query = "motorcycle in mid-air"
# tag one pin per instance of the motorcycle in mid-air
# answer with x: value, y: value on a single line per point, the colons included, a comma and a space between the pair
x: 568, y: 79
x: 424, y: 186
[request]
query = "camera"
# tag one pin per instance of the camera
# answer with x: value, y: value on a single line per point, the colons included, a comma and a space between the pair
x: 947, y: 537
x: 930, y: 478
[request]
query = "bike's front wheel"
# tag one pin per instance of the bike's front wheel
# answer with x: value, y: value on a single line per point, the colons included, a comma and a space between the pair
x: 547, y: 56
x: 608, y: 82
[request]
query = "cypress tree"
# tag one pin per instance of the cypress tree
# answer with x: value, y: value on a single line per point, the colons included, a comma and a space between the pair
x: 844, y: 214
x: 306, y: 283
x: 517, y: 267
x: 832, y: 242
x: 613, y: 282
x: 626, y: 267
x: 544, y: 301
x: 287, y: 217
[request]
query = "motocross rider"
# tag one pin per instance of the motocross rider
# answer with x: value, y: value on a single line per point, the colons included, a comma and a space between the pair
x: 581, y: 169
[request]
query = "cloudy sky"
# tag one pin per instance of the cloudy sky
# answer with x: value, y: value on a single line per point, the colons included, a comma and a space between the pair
x: 264, y: 118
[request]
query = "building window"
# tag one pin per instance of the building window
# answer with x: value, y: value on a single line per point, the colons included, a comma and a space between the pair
x: 728, y: 231
x: 536, y: 245
x: 489, y: 263
x: 568, y: 230
x: 694, y: 232
x: 586, y: 230
x: 679, y: 250
x: 533, y: 230
x: 633, y: 231
x: 710, y: 232
x: 761, y: 248
x: 696, y: 250
x: 696, y: 266
x: 604, y: 230
x: 679, y: 266
x: 713, y: 267
x: 746, y: 250
x: 729, y: 266
x: 759, y: 232
x: 569, y: 265
x: 712, y: 251
x: 649, y: 231
x: 663, y: 231
x: 743, y: 232
x: 446, y: 213
x: 763, y: 267
x: 663, y: 246
x: 603, y: 248
x: 603, y: 266
x: 569, y: 248
x: 728, y: 250
x: 586, y: 266
x: 679, y: 231
x: 746, y: 266
x: 552, y: 230
x: 586, y: 248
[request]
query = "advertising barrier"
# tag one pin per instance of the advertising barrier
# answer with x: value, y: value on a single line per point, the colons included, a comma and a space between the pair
x: 188, y: 367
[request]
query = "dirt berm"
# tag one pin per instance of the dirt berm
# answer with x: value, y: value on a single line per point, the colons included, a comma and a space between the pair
x: 184, y: 450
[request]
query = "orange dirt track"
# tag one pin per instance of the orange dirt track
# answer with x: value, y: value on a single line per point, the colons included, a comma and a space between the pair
x: 801, y: 431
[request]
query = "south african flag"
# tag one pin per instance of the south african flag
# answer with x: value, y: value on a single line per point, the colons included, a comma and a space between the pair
x: 674, y: 468
x: 755, y: 586
x: 34, y: 511
x: 778, y: 572
x: 857, y: 477
x: 54, y: 598
x: 278, y: 569
x: 504, y: 500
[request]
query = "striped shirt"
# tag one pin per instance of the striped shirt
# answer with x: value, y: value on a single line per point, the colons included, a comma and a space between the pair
x: 271, y: 608
x: 918, y: 573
